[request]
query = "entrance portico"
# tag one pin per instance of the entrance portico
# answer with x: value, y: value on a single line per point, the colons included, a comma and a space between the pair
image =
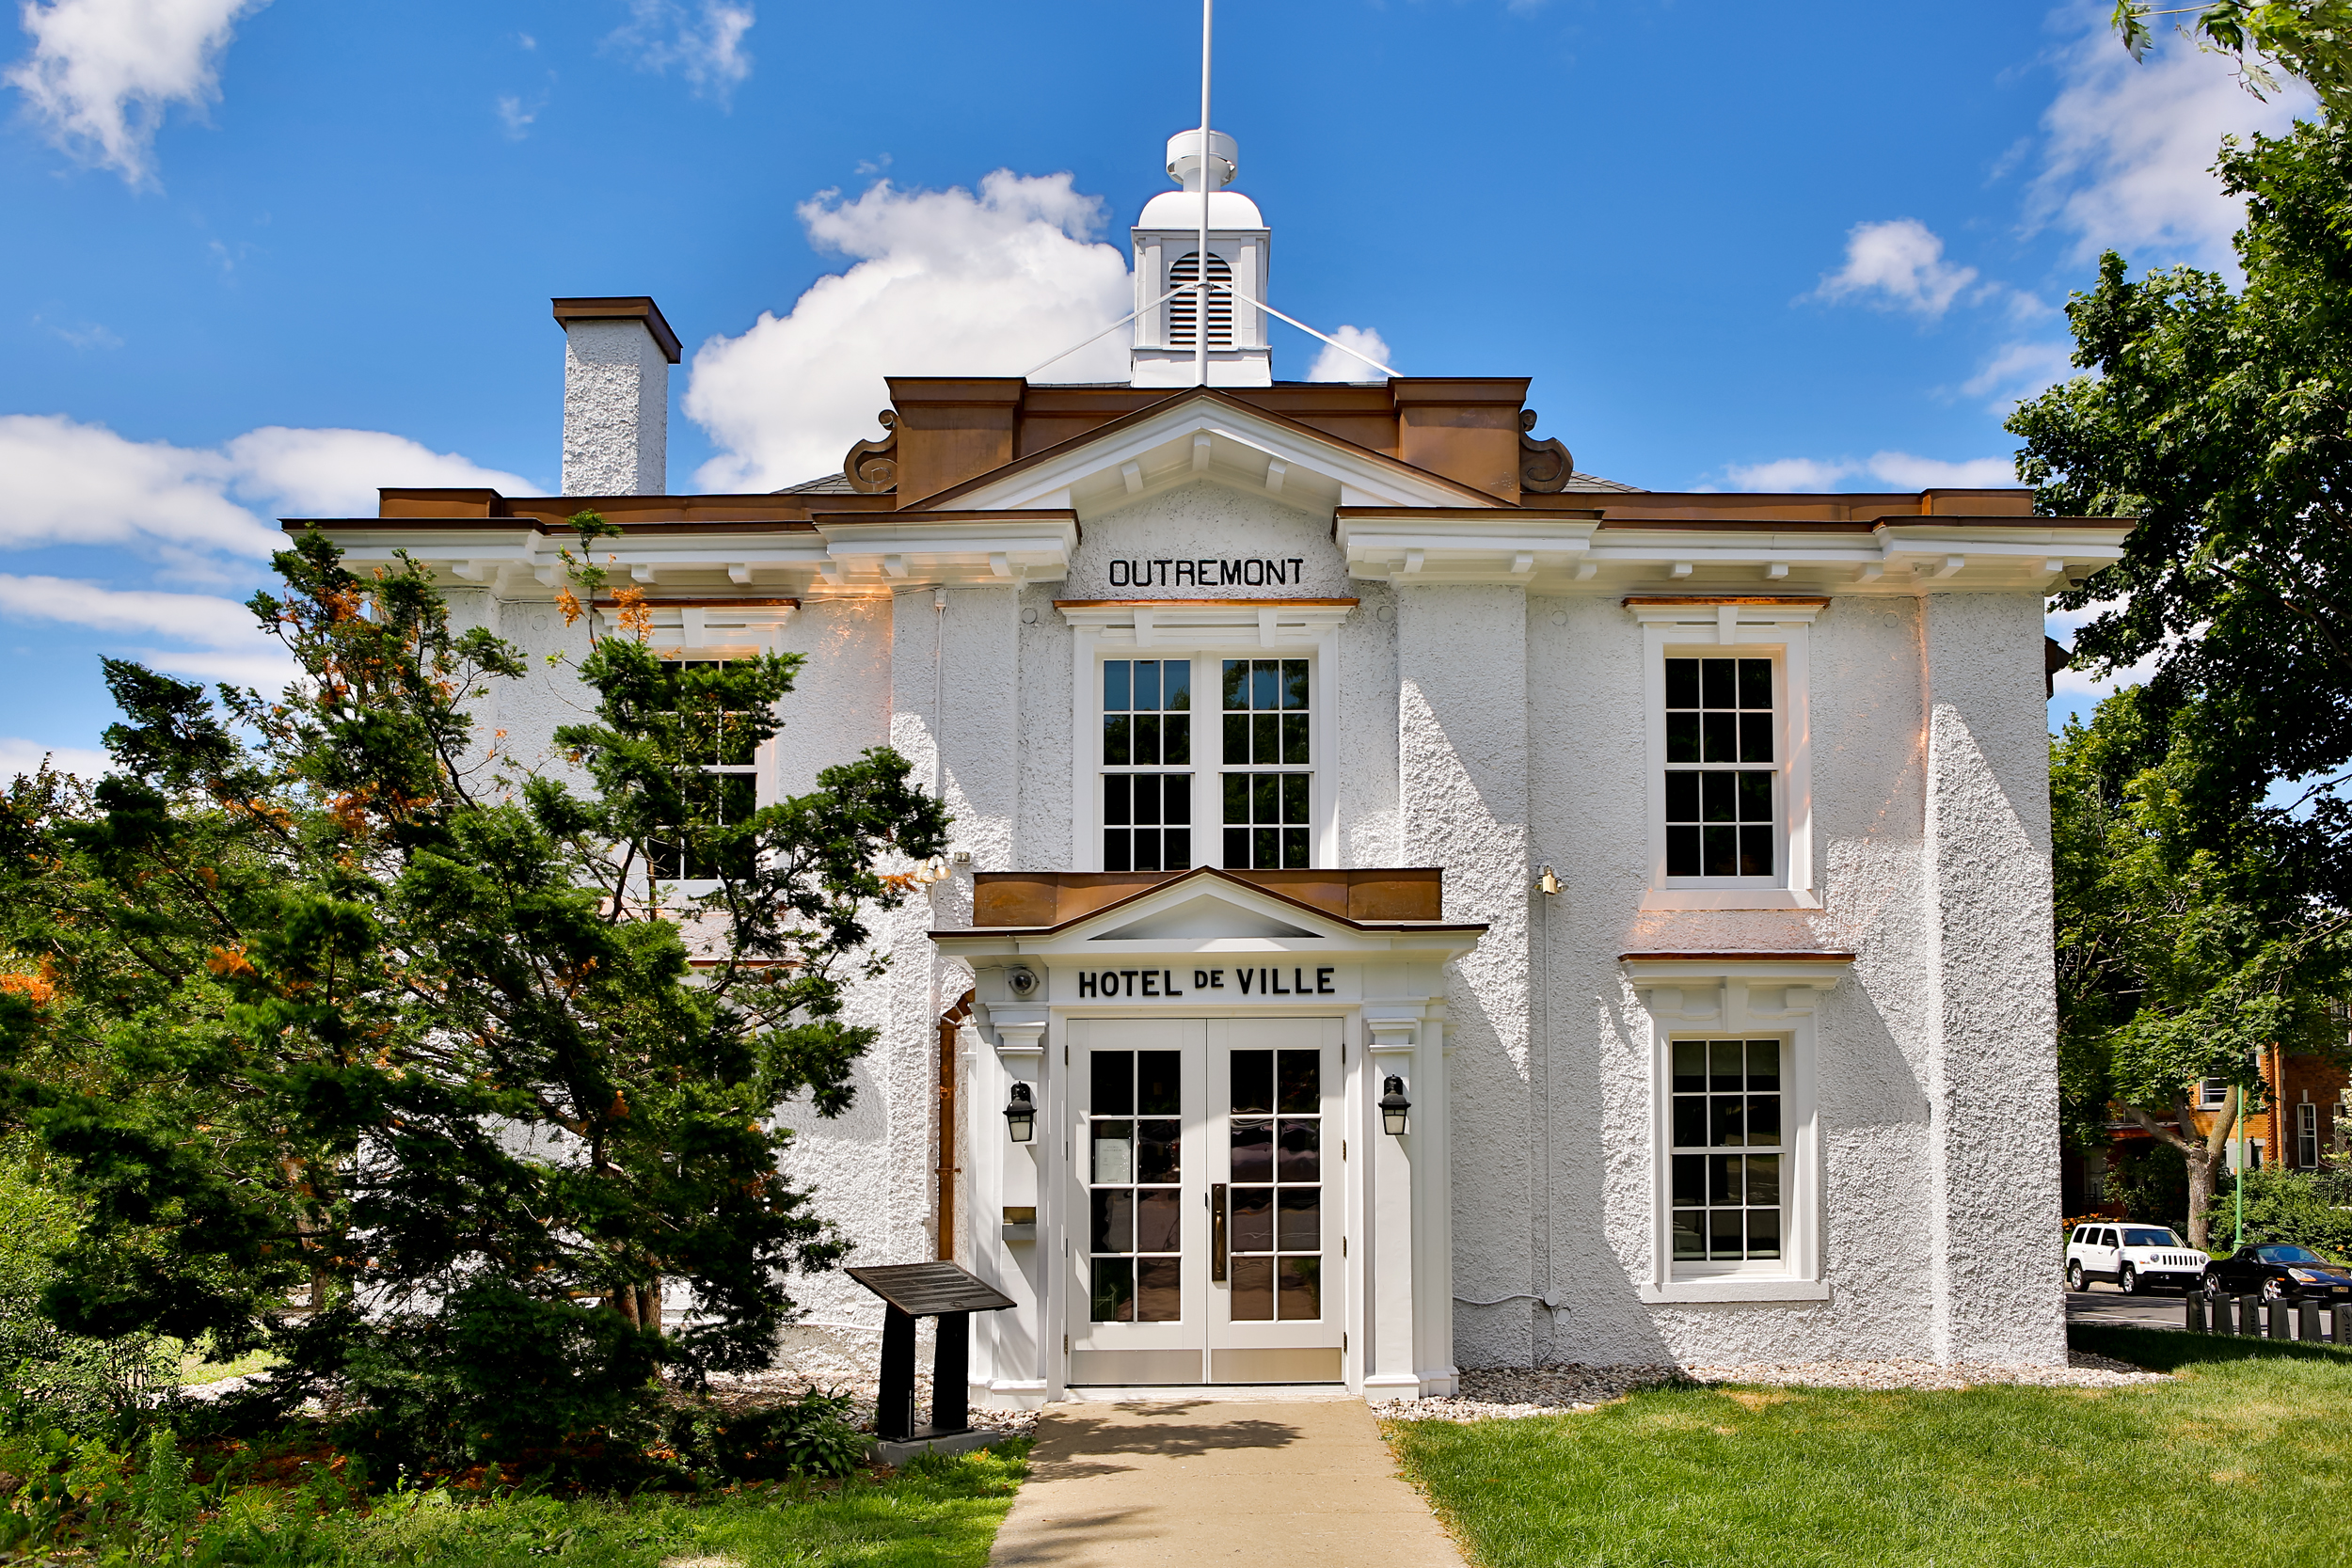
x: 1208, y: 1196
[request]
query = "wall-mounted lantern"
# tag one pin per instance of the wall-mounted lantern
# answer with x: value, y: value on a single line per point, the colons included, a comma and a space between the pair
x: 1393, y: 1107
x: 1021, y: 1115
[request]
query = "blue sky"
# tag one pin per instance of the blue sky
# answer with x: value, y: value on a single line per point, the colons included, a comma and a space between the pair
x: 267, y: 256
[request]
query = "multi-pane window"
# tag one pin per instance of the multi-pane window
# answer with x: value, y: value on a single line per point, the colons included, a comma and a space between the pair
x: 718, y: 775
x: 1276, y: 1129
x: 1134, y: 1220
x: 1147, y: 761
x: 2212, y: 1093
x: 2307, y: 1135
x: 1729, y: 1162
x: 1722, y: 768
x: 1268, y: 788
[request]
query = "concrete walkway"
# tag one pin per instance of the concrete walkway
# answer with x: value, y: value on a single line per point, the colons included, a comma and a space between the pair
x: 1303, y: 1484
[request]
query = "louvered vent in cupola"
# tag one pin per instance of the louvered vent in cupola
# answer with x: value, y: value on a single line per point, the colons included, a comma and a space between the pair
x: 1185, y: 307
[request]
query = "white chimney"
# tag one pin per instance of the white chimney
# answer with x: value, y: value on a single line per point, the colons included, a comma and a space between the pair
x: 617, y: 354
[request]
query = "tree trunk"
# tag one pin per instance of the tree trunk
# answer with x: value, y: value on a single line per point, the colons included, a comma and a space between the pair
x: 2203, y: 1157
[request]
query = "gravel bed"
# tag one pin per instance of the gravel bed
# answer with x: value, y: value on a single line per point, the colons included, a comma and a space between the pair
x: 755, y: 1391
x: 1496, y: 1393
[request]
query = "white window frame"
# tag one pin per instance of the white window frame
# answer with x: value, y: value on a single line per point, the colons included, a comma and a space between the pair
x: 720, y: 631
x: 1761, y: 998
x: 1206, y: 631
x: 1718, y: 627
x: 2307, y: 1135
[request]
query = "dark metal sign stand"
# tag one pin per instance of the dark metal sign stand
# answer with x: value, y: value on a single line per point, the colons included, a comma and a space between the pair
x: 911, y: 1290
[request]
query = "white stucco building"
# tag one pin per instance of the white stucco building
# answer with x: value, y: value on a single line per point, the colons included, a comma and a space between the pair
x: 1681, y: 859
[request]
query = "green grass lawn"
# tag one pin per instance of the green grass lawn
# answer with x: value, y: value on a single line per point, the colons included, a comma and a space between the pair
x: 2249, y: 1454
x: 936, y: 1514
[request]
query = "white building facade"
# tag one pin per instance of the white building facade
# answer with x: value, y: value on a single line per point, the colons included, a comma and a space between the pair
x: 1679, y: 863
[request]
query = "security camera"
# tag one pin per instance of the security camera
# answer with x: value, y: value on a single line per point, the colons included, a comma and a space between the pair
x: 1021, y: 982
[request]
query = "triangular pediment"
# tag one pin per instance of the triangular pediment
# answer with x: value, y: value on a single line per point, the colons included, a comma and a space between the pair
x: 1205, y: 916
x: 1205, y: 435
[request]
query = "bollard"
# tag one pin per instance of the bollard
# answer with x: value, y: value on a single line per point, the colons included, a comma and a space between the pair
x: 2306, y: 1320
x: 2344, y: 1322
x: 2249, y: 1316
x: 2279, y: 1326
x: 2193, y: 1309
x: 2219, y: 1305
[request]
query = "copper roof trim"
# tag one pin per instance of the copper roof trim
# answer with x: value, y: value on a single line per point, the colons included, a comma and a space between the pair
x: 617, y: 308
x: 1806, y: 957
x: 1819, y: 602
x: 1213, y: 394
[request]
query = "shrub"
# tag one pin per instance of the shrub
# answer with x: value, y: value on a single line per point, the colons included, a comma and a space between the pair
x: 48, y: 1377
x: 2281, y: 1205
x: 811, y: 1436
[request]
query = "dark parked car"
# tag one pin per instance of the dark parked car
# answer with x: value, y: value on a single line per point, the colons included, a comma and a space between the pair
x: 2279, y: 1274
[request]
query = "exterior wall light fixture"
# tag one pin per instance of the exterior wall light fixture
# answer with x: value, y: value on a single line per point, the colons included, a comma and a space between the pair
x: 1392, y: 1106
x: 1021, y: 1115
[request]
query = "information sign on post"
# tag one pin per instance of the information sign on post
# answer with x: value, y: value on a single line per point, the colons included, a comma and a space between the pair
x: 911, y: 1290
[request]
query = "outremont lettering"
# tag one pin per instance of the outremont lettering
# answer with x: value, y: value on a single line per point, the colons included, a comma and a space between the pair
x: 1210, y: 572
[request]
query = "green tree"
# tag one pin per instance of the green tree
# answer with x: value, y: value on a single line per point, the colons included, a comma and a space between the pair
x: 346, y: 1003
x: 2310, y: 39
x: 2222, y: 421
x: 2182, y: 953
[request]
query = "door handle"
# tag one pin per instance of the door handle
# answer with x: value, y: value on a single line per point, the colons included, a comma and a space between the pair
x: 1216, y: 1231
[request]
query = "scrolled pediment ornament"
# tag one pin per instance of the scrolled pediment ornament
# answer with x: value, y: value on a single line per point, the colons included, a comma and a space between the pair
x: 1545, y: 466
x: 872, y: 467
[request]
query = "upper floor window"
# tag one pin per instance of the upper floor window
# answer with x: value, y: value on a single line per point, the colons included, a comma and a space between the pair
x: 1147, y: 765
x: 718, y: 776
x: 1183, y: 310
x: 1729, y: 753
x: 1723, y: 777
x: 1269, y: 779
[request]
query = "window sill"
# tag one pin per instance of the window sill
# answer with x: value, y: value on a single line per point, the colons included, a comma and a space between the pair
x: 1736, y: 1288
x: 1730, y: 898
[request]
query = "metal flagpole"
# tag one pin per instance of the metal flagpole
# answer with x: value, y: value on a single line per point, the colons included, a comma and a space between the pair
x: 1200, y: 312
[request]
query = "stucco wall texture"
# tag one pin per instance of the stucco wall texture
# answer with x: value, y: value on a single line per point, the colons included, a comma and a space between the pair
x: 616, y: 410
x: 1488, y: 732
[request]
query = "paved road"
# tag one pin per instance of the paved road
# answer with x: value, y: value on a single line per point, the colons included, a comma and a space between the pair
x: 2106, y: 1304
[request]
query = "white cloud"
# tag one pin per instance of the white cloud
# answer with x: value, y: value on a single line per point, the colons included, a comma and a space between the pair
x: 1336, y: 364
x: 515, y: 117
x: 1790, y: 474
x: 2130, y: 147
x: 230, y: 642
x: 706, y: 49
x: 103, y: 72
x: 20, y: 756
x: 336, y: 473
x: 1897, y: 264
x: 84, y: 484
x: 944, y: 283
x: 2018, y: 370
x: 1893, y: 471
x: 73, y: 483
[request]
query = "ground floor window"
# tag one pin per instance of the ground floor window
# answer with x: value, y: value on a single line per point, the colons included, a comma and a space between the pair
x: 1728, y: 1163
x: 2307, y: 1135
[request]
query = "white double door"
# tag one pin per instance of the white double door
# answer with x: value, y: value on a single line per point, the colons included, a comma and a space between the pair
x: 1209, y: 1161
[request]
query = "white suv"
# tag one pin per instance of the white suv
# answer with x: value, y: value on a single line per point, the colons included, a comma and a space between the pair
x: 2134, y: 1256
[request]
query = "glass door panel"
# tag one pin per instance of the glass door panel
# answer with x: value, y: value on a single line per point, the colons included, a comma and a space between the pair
x: 1138, y: 1240
x: 1274, y: 1089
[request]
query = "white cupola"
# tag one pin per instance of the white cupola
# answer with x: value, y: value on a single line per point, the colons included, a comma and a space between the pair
x: 1168, y: 253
